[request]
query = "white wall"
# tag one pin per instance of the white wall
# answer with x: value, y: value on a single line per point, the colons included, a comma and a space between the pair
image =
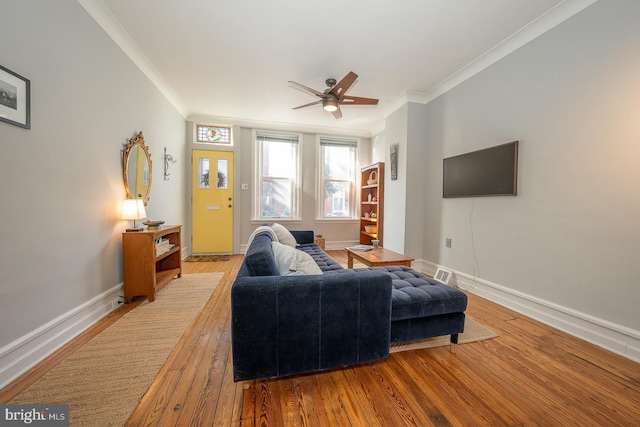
x: 395, y: 192
x: 569, y: 243
x: 572, y: 98
x: 62, y: 191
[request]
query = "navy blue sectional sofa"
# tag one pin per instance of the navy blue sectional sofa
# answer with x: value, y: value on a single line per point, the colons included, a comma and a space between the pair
x: 286, y: 325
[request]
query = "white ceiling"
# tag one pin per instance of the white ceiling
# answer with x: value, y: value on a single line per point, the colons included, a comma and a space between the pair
x: 232, y: 59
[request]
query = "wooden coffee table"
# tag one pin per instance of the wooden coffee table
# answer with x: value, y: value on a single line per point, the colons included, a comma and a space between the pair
x: 377, y: 257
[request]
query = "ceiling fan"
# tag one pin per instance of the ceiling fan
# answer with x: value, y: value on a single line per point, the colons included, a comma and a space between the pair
x: 335, y: 95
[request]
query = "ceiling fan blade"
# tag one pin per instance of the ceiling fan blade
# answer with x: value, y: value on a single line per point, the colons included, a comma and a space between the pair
x: 305, y: 88
x: 308, y: 105
x: 343, y: 85
x: 337, y: 114
x: 358, y: 100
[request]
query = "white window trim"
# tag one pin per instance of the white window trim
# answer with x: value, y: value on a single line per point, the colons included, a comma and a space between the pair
x: 319, y: 180
x: 256, y: 204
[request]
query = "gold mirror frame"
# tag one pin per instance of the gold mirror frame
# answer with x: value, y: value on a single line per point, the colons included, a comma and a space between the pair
x: 136, y: 169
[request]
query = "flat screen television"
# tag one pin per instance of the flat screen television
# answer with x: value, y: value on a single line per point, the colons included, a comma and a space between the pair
x: 492, y: 171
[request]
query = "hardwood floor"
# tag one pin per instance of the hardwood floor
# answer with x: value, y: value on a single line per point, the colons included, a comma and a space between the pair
x: 531, y: 375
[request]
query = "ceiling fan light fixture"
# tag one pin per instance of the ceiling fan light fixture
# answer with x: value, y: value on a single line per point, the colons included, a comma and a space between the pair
x: 330, y: 105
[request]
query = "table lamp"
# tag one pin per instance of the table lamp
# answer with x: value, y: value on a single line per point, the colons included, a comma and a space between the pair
x: 133, y: 209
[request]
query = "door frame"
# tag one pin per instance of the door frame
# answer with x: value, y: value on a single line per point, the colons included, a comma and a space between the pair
x: 236, y: 192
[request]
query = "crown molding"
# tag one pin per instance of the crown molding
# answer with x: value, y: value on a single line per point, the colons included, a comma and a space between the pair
x: 544, y: 23
x: 99, y: 12
x: 563, y: 11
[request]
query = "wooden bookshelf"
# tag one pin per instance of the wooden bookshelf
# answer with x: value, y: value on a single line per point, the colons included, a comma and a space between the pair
x: 372, y: 203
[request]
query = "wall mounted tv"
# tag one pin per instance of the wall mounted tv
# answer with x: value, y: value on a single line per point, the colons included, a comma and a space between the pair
x: 492, y: 171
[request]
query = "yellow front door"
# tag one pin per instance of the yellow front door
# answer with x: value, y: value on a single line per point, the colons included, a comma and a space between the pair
x: 212, y: 202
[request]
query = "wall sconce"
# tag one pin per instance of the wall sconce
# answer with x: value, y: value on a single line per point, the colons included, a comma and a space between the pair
x: 133, y: 209
x: 168, y: 158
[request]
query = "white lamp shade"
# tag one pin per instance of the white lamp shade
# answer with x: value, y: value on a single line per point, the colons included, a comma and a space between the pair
x: 133, y: 209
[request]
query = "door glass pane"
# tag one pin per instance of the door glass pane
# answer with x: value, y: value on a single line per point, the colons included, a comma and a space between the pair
x: 203, y: 172
x: 222, y: 175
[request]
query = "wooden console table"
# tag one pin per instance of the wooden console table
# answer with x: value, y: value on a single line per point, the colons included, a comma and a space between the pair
x: 144, y: 270
x: 377, y: 257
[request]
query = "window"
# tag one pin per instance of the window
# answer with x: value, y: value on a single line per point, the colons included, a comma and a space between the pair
x: 213, y: 134
x: 337, y: 189
x: 278, y: 175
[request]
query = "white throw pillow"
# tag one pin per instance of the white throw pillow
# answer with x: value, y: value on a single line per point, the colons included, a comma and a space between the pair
x: 284, y: 235
x: 305, y: 264
x: 293, y: 262
x: 285, y: 257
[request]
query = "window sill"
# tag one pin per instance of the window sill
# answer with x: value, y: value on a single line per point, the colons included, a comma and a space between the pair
x: 278, y: 220
x: 334, y: 220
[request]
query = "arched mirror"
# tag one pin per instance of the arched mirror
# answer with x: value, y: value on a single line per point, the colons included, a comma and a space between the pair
x: 136, y: 162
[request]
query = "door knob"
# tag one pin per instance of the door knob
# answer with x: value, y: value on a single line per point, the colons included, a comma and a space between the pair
x: 229, y: 198
x: 229, y: 204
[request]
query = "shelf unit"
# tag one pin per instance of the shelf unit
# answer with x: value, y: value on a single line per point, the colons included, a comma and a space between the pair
x: 144, y: 272
x: 372, y: 202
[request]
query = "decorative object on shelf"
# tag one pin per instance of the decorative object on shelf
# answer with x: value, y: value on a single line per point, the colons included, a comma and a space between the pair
x: 133, y: 209
x: 375, y: 243
x: 374, y: 215
x: 168, y: 158
x: 371, y: 229
x: 153, y: 225
x: 393, y: 157
x: 136, y: 169
x: 15, y: 99
x: 163, y: 246
x: 373, y: 178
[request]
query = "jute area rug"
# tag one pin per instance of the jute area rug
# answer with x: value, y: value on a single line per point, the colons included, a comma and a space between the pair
x: 473, y: 331
x: 105, y: 379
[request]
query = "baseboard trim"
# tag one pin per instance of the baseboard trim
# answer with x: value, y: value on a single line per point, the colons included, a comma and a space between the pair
x: 19, y: 356
x: 608, y: 335
x: 337, y: 245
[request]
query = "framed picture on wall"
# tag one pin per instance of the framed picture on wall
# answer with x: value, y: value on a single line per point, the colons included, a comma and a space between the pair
x: 393, y: 159
x: 15, y: 104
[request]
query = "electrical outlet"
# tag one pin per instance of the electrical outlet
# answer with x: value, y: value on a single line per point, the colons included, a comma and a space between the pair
x: 448, y: 242
x: 244, y: 186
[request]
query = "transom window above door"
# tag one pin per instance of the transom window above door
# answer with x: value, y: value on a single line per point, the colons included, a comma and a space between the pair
x: 209, y: 134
